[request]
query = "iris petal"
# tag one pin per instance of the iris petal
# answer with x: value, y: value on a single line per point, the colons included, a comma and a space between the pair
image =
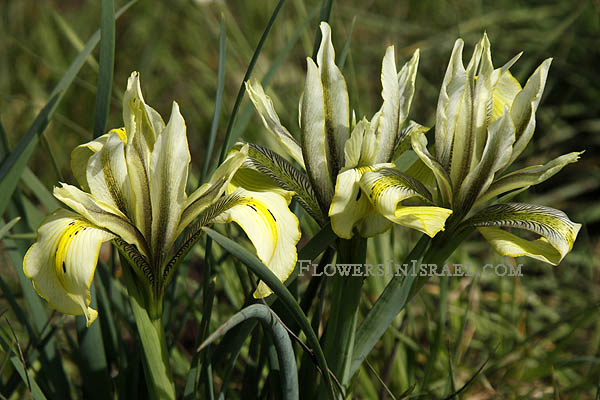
x: 63, y: 260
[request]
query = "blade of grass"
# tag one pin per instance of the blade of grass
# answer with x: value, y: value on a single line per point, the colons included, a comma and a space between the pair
x: 13, y: 166
x: 437, y: 342
x: 248, y: 108
x: 218, y: 99
x: 40, y: 191
x: 107, y: 65
x: 208, y: 287
x: 242, y: 90
x: 4, y: 230
x: 377, y: 321
x: 280, y: 337
x: 346, y: 48
x: 256, y: 266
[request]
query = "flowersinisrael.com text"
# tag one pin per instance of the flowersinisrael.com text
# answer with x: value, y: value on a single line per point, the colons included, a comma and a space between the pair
x: 389, y: 268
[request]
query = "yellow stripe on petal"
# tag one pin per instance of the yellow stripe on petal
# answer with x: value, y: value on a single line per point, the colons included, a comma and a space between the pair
x: 62, y: 261
x: 271, y: 227
x: 350, y: 206
x: 388, y: 188
x: 101, y: 214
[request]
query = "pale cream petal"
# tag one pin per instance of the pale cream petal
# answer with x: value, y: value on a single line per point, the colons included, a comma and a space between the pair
x: 527, y: 177
x: 448, y: 109
x: 271, y: 227
x: 335, y: 97
x: 496, y: 155
x: 169, y: 172
x: 101, y: 214
x: 397, y: 94
x: 315, y: 144
x: 264, y: 106
x: 388, y: 188
x: 107, y: 175
x: 81, y: 154
x: 350, y: 205
x: 62, y: 261
x: 525, y: 105
x: 143, y: 125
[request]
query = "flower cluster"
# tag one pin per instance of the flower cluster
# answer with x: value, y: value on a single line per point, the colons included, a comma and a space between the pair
x: 133, y: 192
x: 485, y: 119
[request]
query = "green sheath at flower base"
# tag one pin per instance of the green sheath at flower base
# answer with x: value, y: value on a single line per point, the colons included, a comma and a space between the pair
x: 133, y: 183
x: 485, y: 119
x: 336, y: 159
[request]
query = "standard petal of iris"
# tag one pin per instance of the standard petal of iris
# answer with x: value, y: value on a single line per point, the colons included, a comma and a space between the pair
x: 169, y: 172
x: 397, y: 93
x: 335, y: 96
x: 524, y: 106
x: 81, y: 154
x: 496, y: 155
x: 62, y: 262
x: 419, y: 145
x: 107, y: 174
x: 264, y: 106
x: 315, y: 143
x: 557, y: 232
x: 388, y: 188
x: 143, y: 125
x: 448, y: 109
x: 272, y: 228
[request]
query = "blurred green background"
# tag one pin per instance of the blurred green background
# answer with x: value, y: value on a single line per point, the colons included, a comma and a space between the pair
x: 540, y: 334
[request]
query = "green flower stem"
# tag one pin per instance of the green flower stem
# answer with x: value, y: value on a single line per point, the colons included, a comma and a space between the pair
x: 345, y: 299
x: 156, y: 357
